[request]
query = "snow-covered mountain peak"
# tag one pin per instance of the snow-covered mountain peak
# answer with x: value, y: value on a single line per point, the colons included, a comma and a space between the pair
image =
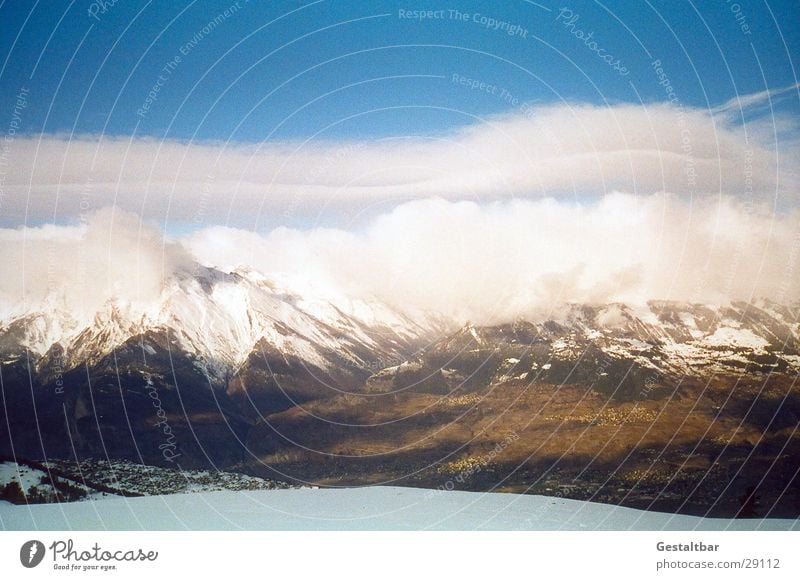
x: 219, y: 317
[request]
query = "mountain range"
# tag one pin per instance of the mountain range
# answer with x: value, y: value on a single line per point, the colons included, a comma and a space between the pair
x: 647, y: 405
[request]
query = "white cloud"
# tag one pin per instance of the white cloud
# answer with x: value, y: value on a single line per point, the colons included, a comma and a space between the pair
x: 500, y: 219
x: 736, y: 106
x: 504, y: 260
x: 480, y: 262
x: 79, y: 268
x: 552, y: 150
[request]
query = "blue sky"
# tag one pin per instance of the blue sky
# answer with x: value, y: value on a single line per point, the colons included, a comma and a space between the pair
x: 388, y: 76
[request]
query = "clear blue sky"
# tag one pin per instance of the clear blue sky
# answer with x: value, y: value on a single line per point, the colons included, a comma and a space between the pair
x: 247, y: 77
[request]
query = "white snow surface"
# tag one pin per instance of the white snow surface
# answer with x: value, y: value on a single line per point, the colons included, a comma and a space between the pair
x: 25, y: 476
x: 368, y: 508
x: 732, y: 336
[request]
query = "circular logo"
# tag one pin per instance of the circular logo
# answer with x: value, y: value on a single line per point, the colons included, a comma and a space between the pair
x: 31, y: 553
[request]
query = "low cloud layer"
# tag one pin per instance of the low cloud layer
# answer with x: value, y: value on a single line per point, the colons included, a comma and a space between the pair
x: 504, y: 260
x: 550, y: 150
x: 78, y: 269
x: 486, y: 262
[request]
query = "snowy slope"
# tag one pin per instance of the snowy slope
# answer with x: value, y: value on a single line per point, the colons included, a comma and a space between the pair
x: 371, y: 508
x: 25, y: 476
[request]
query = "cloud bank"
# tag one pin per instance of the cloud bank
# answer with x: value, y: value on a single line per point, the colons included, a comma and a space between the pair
x: 485, y: 263
x: 504, y: 260
x: 78, y: 269
x: 549, y: 150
